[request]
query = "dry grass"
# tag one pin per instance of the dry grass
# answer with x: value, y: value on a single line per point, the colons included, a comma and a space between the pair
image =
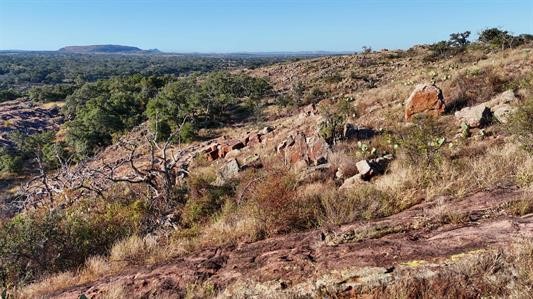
x: 235, y: 224
x: 95, y: 268
x: 481, y: 274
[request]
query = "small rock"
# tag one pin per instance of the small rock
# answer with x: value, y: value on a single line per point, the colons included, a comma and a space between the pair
x: 266, y: 130
x: 368, y: 168
x: 475, y: 117
x: 364, y: 168
x: 229, y: 146
x: 339, y: 174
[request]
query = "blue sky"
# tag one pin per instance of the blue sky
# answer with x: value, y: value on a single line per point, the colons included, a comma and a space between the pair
x: 251, y: 25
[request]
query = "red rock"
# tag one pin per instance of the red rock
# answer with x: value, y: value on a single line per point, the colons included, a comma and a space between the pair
x: 212, y: 155
x: 298, y: 151
x: 229, y: 146
x: 425, y: 99
x: 253, y: 139
x: 318, y: 150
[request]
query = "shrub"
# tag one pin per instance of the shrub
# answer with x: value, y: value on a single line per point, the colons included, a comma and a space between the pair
x: 50, y: 241
x: 521, y: 125
x: 9, y: 162
x: 475, y: 86
x: 363, y: 202
x: 421, y: 143
x: 204, y: 200
x: 496, y: 37
x: 279, y: 207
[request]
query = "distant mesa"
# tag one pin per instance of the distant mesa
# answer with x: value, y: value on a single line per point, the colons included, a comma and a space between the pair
x: 109, y: 49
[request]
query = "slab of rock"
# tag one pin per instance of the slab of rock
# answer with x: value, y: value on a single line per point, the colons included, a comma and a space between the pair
x: 506, y: 97
x: 425, y: 99
x: 475, y: 117
x: 502, y: 112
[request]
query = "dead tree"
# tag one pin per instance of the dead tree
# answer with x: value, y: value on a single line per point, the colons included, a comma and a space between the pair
x: 94, y: 176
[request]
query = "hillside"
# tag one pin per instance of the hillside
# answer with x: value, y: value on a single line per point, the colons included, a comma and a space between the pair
x: 388, y: 174
x: 105, y: 49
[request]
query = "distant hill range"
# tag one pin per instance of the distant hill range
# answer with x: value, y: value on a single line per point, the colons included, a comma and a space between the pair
x: 107, y: 49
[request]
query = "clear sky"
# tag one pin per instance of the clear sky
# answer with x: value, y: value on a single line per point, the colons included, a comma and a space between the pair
x: 251, y: 25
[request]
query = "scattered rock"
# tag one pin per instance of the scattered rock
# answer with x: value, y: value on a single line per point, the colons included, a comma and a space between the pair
x: 475, y: 117
x: 313, y: 150
x: 252, y: 139
x: 310, y: 110
x: 425, y: 99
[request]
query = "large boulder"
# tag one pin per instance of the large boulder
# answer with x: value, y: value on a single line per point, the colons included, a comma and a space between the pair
x: 476, y: 116
x: 229, y: 170
x: 501, y: 105
x: 425, y: 99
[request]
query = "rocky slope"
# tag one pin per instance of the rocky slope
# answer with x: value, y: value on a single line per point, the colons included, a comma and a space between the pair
x: 467, y: 208
x: 296, y: 265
